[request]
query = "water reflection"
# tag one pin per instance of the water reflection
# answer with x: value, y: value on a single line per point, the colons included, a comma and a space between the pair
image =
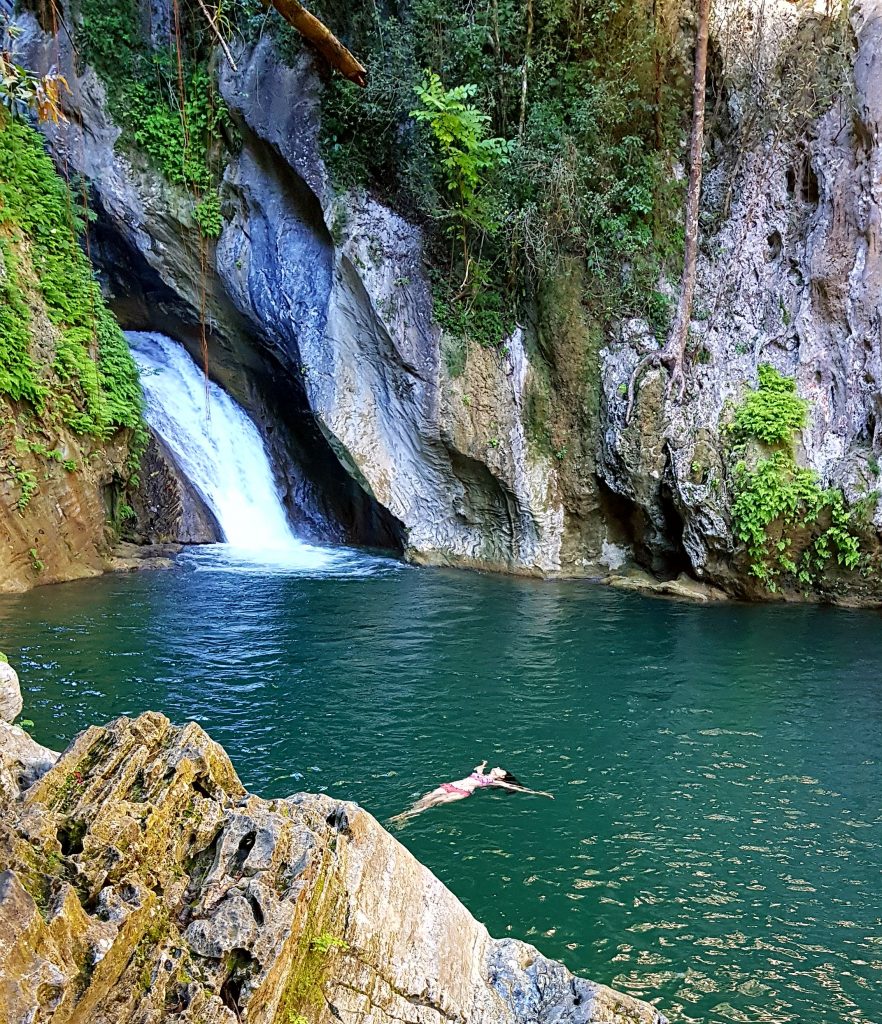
x: 716, y: 840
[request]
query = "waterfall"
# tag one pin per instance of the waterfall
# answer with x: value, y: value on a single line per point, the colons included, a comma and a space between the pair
x: 219, y: 450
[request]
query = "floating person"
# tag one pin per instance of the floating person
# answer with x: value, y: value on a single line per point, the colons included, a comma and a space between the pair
x: 447, y: 792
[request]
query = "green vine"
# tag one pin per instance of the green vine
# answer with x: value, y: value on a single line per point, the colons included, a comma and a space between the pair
x: 92, y: 380
x: 776, y: 499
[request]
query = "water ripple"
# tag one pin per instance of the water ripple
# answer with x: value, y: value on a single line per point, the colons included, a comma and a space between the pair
x: 716, y: 839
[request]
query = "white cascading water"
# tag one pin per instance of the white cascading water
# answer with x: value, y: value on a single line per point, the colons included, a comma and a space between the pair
x: 220, y: 451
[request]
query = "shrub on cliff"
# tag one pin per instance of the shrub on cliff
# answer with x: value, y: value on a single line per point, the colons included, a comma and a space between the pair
x: 776, y: 499
x: 90, y: 380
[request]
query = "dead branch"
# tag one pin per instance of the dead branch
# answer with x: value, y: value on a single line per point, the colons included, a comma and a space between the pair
x: 322, y: 38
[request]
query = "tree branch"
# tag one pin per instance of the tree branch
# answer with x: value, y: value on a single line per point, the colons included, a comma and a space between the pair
x: 322, y: 38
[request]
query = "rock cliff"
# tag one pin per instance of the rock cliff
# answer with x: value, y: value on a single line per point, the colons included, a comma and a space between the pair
x: 319, y: 317
x: 139, y: 882
x: 69, y: 397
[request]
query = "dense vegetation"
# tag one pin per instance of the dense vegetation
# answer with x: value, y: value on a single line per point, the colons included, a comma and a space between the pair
x: 83, y: 376
x: 580, y: 104
x: 587, y: 102
x: 776, y: 500
x: 163, y: 97
x: 91, y: 382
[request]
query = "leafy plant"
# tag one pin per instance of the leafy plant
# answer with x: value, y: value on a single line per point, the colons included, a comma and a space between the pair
x: 325, y: 942
x: 164, y: 99
x: 208, y: 216
x: 772, y: 411
x: 775, y: 499
x: 469, y: 156
x: 26, y: 481
x: 23, y: 91
x: 93, y: 380
x: 37, y: 563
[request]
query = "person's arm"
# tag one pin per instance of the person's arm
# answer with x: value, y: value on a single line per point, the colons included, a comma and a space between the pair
x: 521, y: 789
x: 480, y: 768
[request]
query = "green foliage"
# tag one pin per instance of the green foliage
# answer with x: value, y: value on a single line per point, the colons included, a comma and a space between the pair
x: 93, y: 381
x: 23, y: 444
x: 324, y: 943
x: 25, y: 480
x: 37, y: 564
x: 468, y: 156
x: 168, y: 110
x: 772, y: 412
x: 208, y: 215
x: 479, y: 315
x: 776, y: 500
x: 19, y: 377
x: 586, y: 167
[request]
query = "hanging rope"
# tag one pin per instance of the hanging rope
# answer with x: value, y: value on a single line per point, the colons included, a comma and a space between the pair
x: 196, y: 198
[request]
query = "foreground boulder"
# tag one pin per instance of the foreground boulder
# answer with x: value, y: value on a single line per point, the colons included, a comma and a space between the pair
x: 141, y: 883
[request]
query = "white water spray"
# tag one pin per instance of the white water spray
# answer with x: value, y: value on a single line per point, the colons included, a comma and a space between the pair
x: 220, y: 451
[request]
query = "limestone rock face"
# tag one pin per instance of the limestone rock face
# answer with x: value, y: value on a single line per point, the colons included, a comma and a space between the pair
x: 320, y: 310
x: 61, y: 532
x: 792, y: 276
x: 10, y: 693
x: 141, y: 883
x: 326, y: 300
x: 168, y: 508
x: 22, y: 760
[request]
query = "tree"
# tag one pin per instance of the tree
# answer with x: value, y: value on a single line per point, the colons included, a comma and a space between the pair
x: 323, y: 39
x: 468, y: 156
x: 674, y: 352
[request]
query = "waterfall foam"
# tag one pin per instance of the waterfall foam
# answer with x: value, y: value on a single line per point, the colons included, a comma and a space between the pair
x: 221, y: 452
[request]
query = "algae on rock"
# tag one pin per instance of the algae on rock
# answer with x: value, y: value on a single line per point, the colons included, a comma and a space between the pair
x: 70, y: 402
x: 141, y: 883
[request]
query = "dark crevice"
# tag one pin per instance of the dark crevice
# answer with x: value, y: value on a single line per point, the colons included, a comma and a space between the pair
x: 241, y: 965
x: 657, y: 546
x: 200, y: 787
x: 256, y: 909
x: 809, y: 188
x: 70, y: 838
x: 673, y: 560
x: 246, y: 845
x: 323, y: 500
x: 775, y: 243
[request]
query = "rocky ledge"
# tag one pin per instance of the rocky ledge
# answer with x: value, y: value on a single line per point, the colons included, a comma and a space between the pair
x: 142, y: 883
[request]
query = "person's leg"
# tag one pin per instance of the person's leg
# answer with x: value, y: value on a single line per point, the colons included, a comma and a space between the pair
x: 433, y: 799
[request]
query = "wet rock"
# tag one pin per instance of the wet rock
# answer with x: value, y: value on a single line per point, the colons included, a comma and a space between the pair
x: 128, y: 557
x: 167, y: 507
x: 10, y: 693
x: 194, y: 901
x: 22, y: 760
x: 683, y: 587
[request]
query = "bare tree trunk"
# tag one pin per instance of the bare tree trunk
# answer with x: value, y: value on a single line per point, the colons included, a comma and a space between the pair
x: 322, y: 38
x: 672, y: 355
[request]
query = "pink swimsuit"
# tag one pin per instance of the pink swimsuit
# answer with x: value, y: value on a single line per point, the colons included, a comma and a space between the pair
x: 451, y: 787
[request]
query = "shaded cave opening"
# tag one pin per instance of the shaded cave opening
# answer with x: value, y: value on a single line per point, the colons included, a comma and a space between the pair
x: 323, y: 501
x: 657, y: 546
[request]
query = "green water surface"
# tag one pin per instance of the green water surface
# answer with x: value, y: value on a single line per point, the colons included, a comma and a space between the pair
x: 716, y: 840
